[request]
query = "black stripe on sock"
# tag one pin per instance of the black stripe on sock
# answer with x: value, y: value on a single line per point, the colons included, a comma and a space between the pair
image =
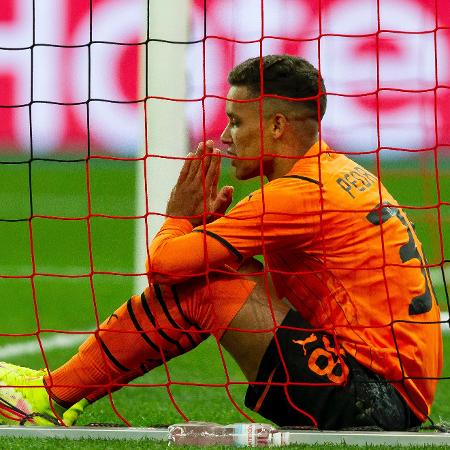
x: 159, y: 297
x: 177, y: 302
x: 161, y: 301
x: 180, y: 310
x: 139, y: 328
x: 224, y: 242
x: 160, y: 332
x: 111, y: 357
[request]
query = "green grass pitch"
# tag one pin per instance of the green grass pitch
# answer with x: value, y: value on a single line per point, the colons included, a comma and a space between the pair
x: 66, y: 303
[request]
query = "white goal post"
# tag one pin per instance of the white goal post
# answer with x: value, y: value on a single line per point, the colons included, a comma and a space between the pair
x: 165, y: 76
x: 341, y: 439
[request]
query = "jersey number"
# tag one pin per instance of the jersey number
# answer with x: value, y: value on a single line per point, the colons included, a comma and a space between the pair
x: 422, y: 303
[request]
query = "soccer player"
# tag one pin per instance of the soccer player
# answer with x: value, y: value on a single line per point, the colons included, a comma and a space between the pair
x: 339, y: 328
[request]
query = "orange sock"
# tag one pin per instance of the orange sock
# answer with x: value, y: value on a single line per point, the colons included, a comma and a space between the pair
x: 163, y: 322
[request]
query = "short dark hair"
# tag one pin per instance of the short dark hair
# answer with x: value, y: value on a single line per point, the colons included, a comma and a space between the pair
x: 283, y: 75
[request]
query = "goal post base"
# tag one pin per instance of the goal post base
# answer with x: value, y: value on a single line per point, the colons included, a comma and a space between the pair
x: 359, y: 438
x: 89, y: 432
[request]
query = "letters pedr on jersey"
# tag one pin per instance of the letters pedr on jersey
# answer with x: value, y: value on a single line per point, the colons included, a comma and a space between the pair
x: 347, y: 258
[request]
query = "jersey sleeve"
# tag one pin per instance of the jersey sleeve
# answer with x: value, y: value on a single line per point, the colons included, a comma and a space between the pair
x: 268, y: 220
x: 177, y: 254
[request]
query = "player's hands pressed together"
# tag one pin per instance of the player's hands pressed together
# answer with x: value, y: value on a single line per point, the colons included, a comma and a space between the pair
x: 195, y: 195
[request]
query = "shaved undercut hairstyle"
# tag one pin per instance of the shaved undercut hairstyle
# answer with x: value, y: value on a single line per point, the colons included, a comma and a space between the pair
x: 285, y: 76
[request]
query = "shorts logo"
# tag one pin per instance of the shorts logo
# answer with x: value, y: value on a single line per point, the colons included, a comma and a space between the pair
x: 311, y: 338
x: 325, y: 360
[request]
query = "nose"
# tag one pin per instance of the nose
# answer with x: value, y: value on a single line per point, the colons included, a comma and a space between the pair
x: 225, y: 137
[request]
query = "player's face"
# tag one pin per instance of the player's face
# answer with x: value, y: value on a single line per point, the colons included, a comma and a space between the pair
x: 243, y: 134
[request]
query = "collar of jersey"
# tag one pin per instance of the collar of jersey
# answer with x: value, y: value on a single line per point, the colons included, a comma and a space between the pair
x: 318, y: 148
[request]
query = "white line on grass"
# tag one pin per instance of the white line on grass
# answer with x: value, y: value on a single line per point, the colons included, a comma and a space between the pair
x: 31, y: 347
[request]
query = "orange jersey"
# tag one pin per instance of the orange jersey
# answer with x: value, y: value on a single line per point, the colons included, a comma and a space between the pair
x: 342, y: 252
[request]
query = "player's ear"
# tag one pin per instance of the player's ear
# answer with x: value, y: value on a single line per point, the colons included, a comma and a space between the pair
x: 279, y: 124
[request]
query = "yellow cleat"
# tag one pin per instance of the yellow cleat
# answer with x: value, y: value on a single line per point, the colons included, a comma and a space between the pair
x: 25, y: 401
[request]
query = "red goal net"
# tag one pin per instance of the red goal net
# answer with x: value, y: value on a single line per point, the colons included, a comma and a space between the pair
x: 79, y: 151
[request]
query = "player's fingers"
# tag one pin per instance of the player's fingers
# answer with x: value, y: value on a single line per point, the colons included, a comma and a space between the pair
x: 199, y: 149
x: 216, y: 178
x: 208, y: 151
x: 213, y: 173
x: 186, y: 168
x: 223, y: 200
x: 195, y: 169
x: 204, y: 147
x: 204, y: 152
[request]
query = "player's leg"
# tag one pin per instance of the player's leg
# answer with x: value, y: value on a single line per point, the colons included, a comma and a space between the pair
x: 317, y: 383
x: 162, y: 323
x: 253, y: 328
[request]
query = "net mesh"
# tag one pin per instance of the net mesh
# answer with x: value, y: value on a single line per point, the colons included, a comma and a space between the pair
x: 68, y: 214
